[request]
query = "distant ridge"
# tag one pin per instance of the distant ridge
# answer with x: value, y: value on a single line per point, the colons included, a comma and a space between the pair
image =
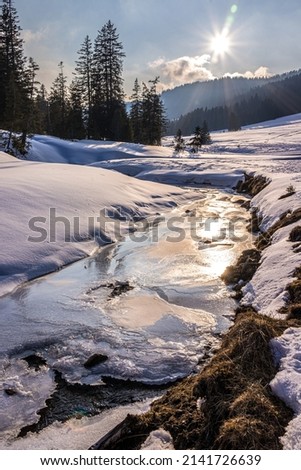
x: 278, y: 96
x: 219, y: 92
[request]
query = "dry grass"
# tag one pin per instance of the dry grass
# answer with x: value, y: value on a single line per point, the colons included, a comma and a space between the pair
x: 244, y: 269
x: 238, y: 410
x: 292, y: 310
x: 286, y: 219
x: 252, y: 184
x: 254, y: 433
x: 235, y: 387
x: 295, y: 235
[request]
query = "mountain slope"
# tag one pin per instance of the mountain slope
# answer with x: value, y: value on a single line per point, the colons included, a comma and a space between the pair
x: 220, y: 92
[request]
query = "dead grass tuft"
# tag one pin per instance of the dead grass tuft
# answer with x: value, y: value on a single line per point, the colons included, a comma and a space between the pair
x: 294, y: 312
x: 244, y: 432
x: 295, y: 235
x: 286, y: 219
x: 245, y: 268
x: 252, y: 184
x: 294, y: 290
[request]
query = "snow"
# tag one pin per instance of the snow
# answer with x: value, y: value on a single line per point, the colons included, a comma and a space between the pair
x: 266, y: 292
x: 158, y: 440
x: 270, y: 207
x: 287, y: 384
x: 49, y: 212
x: 55, y: 150
x: 30, y: 188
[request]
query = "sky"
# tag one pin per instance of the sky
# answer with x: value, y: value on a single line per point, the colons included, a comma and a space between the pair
x: 179, y: 40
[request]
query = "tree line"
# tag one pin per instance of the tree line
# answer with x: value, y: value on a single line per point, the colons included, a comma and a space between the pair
x: 267, y: 102
x: 91, y: 107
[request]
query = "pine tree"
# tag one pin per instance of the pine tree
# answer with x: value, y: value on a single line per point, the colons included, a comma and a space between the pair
x: 136, y: 113
x: 107, y: 81
x: 196, y: 141
x: 41, y: 119
x: 13, y: 85
x: 153, y: 114
x: 58, y: 104
x: 179, y: 142
x: 75, y: 128
x: 84, y: 72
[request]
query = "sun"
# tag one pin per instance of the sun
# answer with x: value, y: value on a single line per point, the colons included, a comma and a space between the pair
x: 220, y: 44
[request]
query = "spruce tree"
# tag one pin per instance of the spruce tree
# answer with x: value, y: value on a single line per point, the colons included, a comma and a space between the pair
x: 179, y: 142
x: 29, y: 100
x: 58, y: 104
x: 75, y: 128
x: 84, y: 72
x: 107, y: 81
x: 196, y: 141
x: 153, y: 114
x: 41, y: 117
x: 233, y: 124
x: 136, y: 113
x: 13, y: 85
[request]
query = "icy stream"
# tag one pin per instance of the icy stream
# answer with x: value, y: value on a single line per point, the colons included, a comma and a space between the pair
x: 170, y: 309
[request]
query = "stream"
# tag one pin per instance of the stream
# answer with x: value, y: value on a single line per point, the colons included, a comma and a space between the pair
x: 145, y: 310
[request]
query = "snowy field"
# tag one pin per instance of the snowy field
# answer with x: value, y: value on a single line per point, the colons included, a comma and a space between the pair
x: 94, y: 181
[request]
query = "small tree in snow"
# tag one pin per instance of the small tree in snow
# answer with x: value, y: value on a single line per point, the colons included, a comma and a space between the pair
x: 179, y: 142
x: 196, y: 141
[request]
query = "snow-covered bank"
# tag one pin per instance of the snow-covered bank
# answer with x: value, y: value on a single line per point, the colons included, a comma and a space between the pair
x: 286, y: 384
x: 51, y: 213
x: 267, y: 292
x: 83, y: 152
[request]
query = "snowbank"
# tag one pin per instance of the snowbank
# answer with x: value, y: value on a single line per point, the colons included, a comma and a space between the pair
x: 199, y: 177
x: 286, y: 384
x: 51, y: 213
x: 266, y: 292
x: 83, y: 152
x: 270, y: 203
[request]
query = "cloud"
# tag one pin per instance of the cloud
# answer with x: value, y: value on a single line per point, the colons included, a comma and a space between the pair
x: 261, y: 72
x: 30, y: 36
x: 182, y: 70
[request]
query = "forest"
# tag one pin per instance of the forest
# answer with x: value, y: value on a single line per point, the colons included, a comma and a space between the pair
x: 261, y: 103
x: 92, y: 106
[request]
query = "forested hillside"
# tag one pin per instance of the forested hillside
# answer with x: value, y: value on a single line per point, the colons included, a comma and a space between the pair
x: 272, y: 100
